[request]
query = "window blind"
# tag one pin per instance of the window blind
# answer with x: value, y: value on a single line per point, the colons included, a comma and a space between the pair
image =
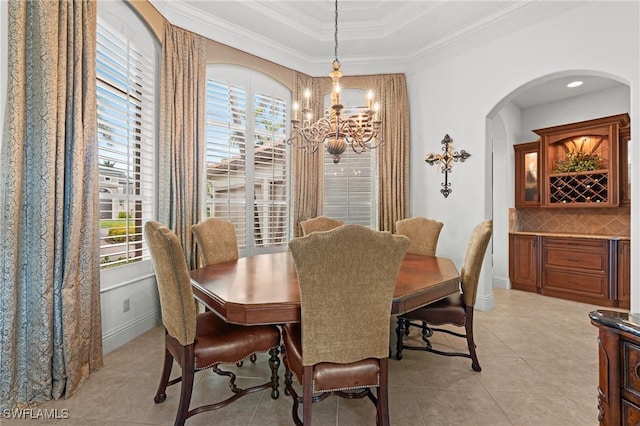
x: 126, y: 148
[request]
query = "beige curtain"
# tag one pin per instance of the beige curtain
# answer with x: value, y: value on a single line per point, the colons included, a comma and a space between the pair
x: 393, y: 156
x: 50, y: 321
x: 182, y: 134
x: 307, y: 167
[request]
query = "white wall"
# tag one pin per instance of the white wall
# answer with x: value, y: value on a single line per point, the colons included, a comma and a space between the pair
x: 579, y: 108
x: 456, y: 95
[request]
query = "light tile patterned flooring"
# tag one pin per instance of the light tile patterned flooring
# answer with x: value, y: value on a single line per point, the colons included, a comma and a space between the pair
x: 539, y: 367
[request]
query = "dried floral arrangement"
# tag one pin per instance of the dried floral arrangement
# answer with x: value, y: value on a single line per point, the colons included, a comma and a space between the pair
x: 577, y: 160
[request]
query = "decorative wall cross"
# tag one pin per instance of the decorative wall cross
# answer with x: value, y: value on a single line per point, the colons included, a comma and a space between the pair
x: 446, y: 160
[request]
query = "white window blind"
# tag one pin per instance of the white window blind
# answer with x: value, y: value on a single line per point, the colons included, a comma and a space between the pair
x: 247, y: 168
x: 126, y: 116
x: 350, y: 186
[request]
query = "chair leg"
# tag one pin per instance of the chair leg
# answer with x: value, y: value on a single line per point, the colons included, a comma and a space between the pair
x: 161, y: 394
x: 400, y: 333
x: 307, y: 394
x: 274, y: 363
x: 188, y: 371
x: 382, y: 405
x: 468, y: 325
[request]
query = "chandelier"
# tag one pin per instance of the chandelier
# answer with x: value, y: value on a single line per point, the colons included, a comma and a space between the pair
x: 360, y: 129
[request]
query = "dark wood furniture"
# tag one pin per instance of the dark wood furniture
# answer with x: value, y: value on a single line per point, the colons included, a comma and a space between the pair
x: 624, y: 274
x: 523, y: 261
x: 594, y: 187
x: 527, y: 177
x: 625, y: 166
x: 619, y: 367
x: 592, y: 270
x: 263, y: 289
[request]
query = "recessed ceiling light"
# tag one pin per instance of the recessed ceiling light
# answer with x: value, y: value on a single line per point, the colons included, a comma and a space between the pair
x: 575, y: 83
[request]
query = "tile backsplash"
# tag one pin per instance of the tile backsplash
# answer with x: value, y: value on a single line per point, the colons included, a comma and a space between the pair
x: 606, y: 221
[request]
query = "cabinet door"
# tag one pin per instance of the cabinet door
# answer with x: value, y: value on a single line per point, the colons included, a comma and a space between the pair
x: 523, y: 262
x: 624, y: 274
x: 527, y: 174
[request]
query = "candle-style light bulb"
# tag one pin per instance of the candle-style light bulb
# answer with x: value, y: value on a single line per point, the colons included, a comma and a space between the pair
x: 295, y: 110
x: 307, y: 97
x: 370, y: 99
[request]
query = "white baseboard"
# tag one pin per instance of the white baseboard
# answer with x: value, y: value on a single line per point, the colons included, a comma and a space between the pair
x: 128, y: 331
x: 501, y: 282
x: 484, y: 303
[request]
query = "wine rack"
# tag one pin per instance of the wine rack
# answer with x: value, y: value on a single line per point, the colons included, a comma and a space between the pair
x: 583, y: 187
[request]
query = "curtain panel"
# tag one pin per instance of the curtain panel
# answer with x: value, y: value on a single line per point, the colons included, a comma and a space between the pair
x: 182, y: 134
x: 50, y: 321
x: 393, y: 156
x: 307, y: 167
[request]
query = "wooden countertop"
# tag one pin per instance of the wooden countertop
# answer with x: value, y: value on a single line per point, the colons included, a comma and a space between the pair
x: 570, y: 235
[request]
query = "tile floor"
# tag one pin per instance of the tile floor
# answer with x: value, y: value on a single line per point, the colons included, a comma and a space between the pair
x: 539, y: 367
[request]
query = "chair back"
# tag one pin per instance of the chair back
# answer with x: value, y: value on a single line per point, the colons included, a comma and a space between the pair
x: 423, y: 234
x: 174, y: 285
x: 470, y: 272
x: 216, y: 240
x: 347, y: 278
x: 320, y: 223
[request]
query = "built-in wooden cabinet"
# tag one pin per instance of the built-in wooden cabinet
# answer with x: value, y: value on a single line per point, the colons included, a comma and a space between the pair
x: 624, y: 274
x: 580, y: 163
x: 583, y: 164
x: 523, y: 262
x: 577, y: 269
x: 588, y: 270
x: 527, y: 178
x: 625, y: 166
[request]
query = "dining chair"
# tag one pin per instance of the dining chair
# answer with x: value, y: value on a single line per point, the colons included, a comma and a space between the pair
x: 216, y: 240
x: 200, y: 341
x: 424, y: 234
x: 456, y: 310
x: 320, y: 223
x: 347, y: 278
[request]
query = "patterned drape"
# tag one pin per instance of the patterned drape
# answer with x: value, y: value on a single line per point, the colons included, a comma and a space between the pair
x: 307, y: 167
x: 393, y: 156
x: 182, y: 134
x: 50, y: 324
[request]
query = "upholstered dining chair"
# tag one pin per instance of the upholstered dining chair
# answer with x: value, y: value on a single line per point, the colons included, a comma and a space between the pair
x: 422, y: 232
x: 341, y: 346
x: 320, y: 223
x: 216, y: 240
x: 200, y: 341
x: 456, y: 310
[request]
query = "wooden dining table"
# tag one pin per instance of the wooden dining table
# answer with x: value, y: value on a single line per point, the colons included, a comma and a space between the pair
x: 263, y: 289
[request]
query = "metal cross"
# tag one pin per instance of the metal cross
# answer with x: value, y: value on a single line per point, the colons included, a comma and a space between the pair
x: 446, y: 160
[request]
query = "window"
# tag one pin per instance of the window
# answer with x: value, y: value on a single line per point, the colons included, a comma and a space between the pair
x: 247, y: 164
x: 350, y: 187
x: 126, y: 85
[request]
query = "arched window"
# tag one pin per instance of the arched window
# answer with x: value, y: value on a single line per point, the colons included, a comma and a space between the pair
x: 126, y: 70
x: 247, y: 157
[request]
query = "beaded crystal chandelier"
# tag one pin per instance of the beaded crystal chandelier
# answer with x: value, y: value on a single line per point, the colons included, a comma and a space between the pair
x: 360, y: 129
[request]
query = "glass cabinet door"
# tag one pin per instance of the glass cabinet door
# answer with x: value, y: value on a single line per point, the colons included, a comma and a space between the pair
x: 527, y: 176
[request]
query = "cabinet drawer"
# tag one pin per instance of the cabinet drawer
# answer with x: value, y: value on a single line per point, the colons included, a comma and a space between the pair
x: 576, y: 283
x: 631, y: 368
x: 578, y: 243
x: 595, y: 261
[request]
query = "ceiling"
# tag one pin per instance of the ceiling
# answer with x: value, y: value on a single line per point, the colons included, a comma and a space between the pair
x: 383, y: 36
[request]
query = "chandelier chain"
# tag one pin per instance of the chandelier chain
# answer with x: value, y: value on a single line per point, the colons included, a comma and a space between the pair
x: 335, y: 34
